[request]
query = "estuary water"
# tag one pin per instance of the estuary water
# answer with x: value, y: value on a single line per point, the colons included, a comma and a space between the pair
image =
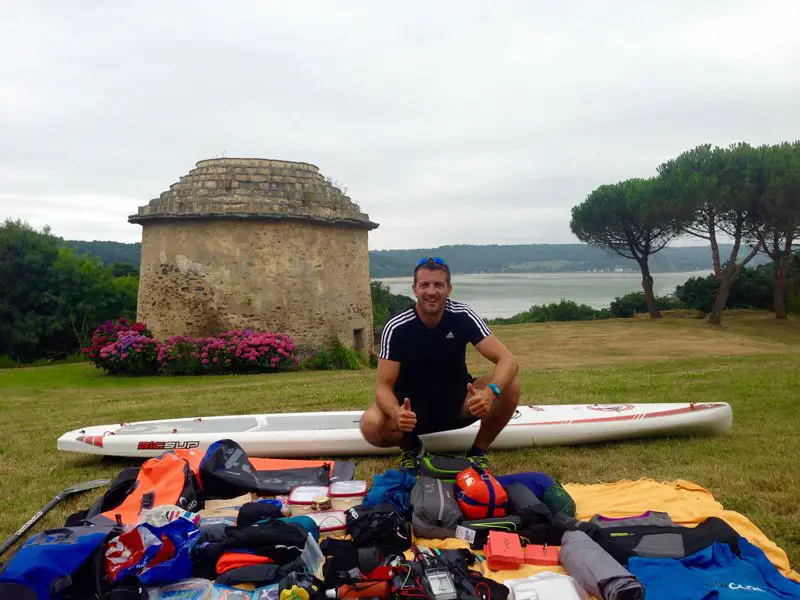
x: 506, y: 294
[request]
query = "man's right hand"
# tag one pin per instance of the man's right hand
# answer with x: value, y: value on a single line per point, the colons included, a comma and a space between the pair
x: 406, y: 419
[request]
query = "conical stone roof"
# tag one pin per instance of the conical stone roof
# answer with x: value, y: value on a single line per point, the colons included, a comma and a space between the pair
x: 254, y: 188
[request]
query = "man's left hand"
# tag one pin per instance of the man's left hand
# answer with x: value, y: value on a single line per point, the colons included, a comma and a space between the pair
x: 479, y: 401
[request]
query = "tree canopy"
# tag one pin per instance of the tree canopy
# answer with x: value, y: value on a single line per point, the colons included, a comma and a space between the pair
x: 628, y: 219
x: 51, y: 298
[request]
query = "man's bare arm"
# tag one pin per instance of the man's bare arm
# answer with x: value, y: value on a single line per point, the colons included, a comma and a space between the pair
x: 388, y: 370
x: 506, y: 364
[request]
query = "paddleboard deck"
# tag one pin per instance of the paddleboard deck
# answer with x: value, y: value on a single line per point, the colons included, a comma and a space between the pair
x: 293, y: 435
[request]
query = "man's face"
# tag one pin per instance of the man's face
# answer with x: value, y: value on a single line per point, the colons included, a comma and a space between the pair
x: 431, y: 290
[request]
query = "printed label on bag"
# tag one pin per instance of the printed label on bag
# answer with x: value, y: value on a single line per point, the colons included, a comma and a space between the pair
x: 465, y: 533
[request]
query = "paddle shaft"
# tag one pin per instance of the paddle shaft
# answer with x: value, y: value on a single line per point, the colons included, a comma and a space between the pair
x: 33, y: 520
x: 76, y: 489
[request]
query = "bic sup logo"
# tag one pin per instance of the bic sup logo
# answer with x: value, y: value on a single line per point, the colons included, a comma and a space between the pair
x: 175, y: 445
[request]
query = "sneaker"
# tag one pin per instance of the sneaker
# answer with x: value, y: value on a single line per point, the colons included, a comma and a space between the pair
x: 411, y: 458
x: 480, y: 461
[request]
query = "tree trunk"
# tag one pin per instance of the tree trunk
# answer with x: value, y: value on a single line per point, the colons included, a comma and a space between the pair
x: 647, y: 286
x: 779, y: 289
x: 724, y: 290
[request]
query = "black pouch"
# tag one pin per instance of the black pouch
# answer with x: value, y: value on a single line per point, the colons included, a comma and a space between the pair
x: 378, y: 526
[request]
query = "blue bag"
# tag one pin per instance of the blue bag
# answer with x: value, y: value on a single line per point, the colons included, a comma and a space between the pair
x: 392, y: 487
x: 183, y: 534
x: 53, y: 562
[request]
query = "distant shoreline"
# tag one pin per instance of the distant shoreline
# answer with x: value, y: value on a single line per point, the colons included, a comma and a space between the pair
x: 698, y: 272
x: 503, y: 295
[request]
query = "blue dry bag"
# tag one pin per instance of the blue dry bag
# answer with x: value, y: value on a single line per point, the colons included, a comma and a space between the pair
x: 50, y: 563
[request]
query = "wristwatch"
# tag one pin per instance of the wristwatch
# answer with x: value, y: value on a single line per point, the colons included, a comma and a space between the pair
x: 495, y: 389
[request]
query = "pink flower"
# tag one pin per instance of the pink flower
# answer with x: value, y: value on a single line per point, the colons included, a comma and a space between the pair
x: 124, y: 355
x: 205, y: 361
x: 216, y: 359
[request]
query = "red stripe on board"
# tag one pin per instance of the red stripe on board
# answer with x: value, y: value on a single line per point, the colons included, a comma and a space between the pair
x: 664, y: 413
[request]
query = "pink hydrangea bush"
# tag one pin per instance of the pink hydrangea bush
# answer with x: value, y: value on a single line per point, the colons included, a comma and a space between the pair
x: 131, y: 354
x: 109, y: 332
x: 181, y: 355
x: 259, y: 352
x: 133, y: 351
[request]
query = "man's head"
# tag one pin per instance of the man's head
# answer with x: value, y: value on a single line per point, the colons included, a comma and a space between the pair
x: 431, y: 284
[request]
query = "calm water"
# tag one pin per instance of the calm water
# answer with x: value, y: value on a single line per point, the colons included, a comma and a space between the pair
x: 506, y: 294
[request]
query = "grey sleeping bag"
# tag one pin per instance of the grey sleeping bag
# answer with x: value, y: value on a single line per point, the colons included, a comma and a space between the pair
x: 596, y: 570
x: 435, y: 511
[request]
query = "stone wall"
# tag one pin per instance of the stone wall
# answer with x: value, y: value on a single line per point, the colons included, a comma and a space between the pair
x: 265, y: 252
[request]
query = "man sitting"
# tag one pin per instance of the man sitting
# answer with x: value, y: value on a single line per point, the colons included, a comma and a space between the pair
x: 423, y: 384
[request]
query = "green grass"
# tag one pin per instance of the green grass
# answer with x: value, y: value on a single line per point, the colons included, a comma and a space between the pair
x: 752, y: 362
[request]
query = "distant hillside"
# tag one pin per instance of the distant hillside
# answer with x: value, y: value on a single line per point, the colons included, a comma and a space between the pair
x: 109, y: 252
x: 540, y: 258
x: 530, y: 258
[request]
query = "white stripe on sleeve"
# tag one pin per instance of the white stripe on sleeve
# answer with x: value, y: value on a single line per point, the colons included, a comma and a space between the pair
x: 458, y: 307
x: 388, y: 330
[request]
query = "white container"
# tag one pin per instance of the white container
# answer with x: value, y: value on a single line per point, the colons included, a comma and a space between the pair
x: 330, y: 522
x: 346, y: 494
x: 302, y: 497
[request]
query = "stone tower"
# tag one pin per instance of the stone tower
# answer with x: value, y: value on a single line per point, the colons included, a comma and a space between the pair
x: 256, y: 244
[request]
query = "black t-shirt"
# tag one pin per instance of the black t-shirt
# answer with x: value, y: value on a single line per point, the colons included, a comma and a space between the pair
x: 432, y: 359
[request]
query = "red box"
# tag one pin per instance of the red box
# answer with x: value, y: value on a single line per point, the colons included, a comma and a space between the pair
x: 536, y: 554
x: 503, y: 551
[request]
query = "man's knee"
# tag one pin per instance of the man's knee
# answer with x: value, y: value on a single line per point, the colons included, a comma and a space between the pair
x: 512, y: 393
x: 375, y: 427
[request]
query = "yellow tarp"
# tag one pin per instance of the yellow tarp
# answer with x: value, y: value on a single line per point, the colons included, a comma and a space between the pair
x: 686, y: 503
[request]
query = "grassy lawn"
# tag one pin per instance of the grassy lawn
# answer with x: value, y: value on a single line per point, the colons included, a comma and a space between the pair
x: 753, y: 362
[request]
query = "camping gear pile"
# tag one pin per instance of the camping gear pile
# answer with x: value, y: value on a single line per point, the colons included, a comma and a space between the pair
x: 212, y: 525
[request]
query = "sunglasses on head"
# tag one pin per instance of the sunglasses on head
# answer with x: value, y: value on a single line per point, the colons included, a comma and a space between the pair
x: 436, y: 259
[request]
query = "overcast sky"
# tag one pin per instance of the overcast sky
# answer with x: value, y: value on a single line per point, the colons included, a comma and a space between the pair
x: 448, y: 122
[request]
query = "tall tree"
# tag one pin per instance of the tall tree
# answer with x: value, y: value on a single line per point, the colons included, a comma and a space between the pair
x: 85, y: 294
x: 778, y: 226
x: 27, y: 310
x: 717, y: 192
x: 627, y: 218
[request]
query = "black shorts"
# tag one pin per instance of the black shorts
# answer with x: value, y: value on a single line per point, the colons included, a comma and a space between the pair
x: 427, y: 423
x: 441, y: 413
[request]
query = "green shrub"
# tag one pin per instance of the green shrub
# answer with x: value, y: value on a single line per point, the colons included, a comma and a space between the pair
x: 321, y: 360
x: 565, y: 310
x: 753, y: 289
x: 345, y: 357
x: 335, y: 356
x: 634, y: 303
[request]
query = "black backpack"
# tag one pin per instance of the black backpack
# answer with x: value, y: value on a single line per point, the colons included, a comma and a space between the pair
x: 380, y: 526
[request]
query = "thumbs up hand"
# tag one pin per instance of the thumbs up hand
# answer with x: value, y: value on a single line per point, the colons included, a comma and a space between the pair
x: 479, y: 401
x: 405, y: 417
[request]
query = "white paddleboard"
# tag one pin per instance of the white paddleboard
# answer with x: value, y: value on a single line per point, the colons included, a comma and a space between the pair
x: 337, y: 433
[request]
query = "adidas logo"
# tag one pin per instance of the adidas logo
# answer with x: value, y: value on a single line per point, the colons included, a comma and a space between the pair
x: 449, y: 335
